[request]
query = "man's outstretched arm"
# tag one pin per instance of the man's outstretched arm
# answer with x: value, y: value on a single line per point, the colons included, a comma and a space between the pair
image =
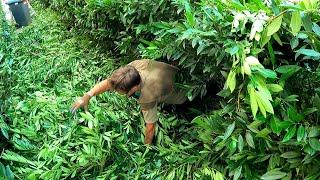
x: 99, y: 88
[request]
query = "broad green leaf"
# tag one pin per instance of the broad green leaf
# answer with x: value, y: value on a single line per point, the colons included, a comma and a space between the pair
x: 300, y: 133
x: 229, y: 130
x: 275, y: 125
x: 240, y: 143
x: 201, y: 47
x: 232, y: 146
x: 315, y: 143
x: 302, y: 35
x: 189, y: 14
x: 309, y: 111
x: 277, y: 38
x: 291, y: 132
x: 9, y: 173
x: 264, y: 38
x: 262, y: 87
x: 309, y: 4
x: 316, y: 101
x: 263, y: 133
x: 271, y: 53
x: 90, y: 124
x: 309, y: 150
x: 294, y: 115
x: 285, y: 124
x: 254, y: 126
x: 171, y: 175
x: 224, y: 93
x: 274, y: 87
x: 237, y: 173
x: 309, y: 52
x: 267, y: 73
x: 287, y: 68
x: 246, y: 68
x: 262, y: 159
x: 218, y: 176
x: 5, y: 132
x: 2, y: 171
x: 253, y: 100
x: 316, y: 28
x: 231, y: 81
x: 265, y: 103
x: 274, y: 161
x: 12, y: 156
x: 234, y: 50
x: 313, y: 132
x: 261, y: 106
x: 294, y: 42
x: 291, y: 154
x: 273, y: 174
x: 274, y: 26
x: 292, y: 98
x: 86, y: 115
x: 249, y: 139
x: 307, y: 22
x: 296, y: 22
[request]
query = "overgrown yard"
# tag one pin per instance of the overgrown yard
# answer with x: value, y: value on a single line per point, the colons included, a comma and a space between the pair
x: 260, y: 57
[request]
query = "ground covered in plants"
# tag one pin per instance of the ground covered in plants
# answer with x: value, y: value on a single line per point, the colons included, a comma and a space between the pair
x: 251, y: 69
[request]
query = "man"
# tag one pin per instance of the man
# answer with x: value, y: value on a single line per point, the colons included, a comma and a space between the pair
x: 151, y: 81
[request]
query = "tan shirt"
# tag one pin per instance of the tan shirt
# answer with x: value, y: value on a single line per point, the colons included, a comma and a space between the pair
x: 157, y: 81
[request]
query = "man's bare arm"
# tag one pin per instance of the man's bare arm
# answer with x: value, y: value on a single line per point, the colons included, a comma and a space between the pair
x: 99, y: 88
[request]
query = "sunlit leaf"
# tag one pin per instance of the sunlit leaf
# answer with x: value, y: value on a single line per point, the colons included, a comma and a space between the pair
x: 296, y: 22
x: 274, y: 26
x: 253, y: 100
x: 275, y: 88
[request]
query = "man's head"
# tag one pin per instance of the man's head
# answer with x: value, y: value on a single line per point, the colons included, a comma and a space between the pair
x: 125, y: 80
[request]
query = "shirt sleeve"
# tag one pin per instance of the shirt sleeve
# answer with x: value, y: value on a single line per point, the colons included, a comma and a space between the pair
x: 150, y: 115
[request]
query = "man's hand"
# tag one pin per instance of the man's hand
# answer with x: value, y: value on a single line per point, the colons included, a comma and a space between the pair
x: 149, y: 133
x: 82, y: 102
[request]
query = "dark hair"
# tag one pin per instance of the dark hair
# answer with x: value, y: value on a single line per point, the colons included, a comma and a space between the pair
x: 125, y: 78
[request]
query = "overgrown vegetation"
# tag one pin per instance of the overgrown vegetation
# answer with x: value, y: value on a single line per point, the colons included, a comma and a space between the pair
x: 40, y: 139
x: 262, y: 55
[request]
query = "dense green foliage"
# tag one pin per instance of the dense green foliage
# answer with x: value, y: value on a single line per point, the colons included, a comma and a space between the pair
x: 40, y: 139
x: 262, y: 55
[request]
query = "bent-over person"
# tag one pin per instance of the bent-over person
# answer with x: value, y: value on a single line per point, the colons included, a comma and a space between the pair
x: 151, y: 81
